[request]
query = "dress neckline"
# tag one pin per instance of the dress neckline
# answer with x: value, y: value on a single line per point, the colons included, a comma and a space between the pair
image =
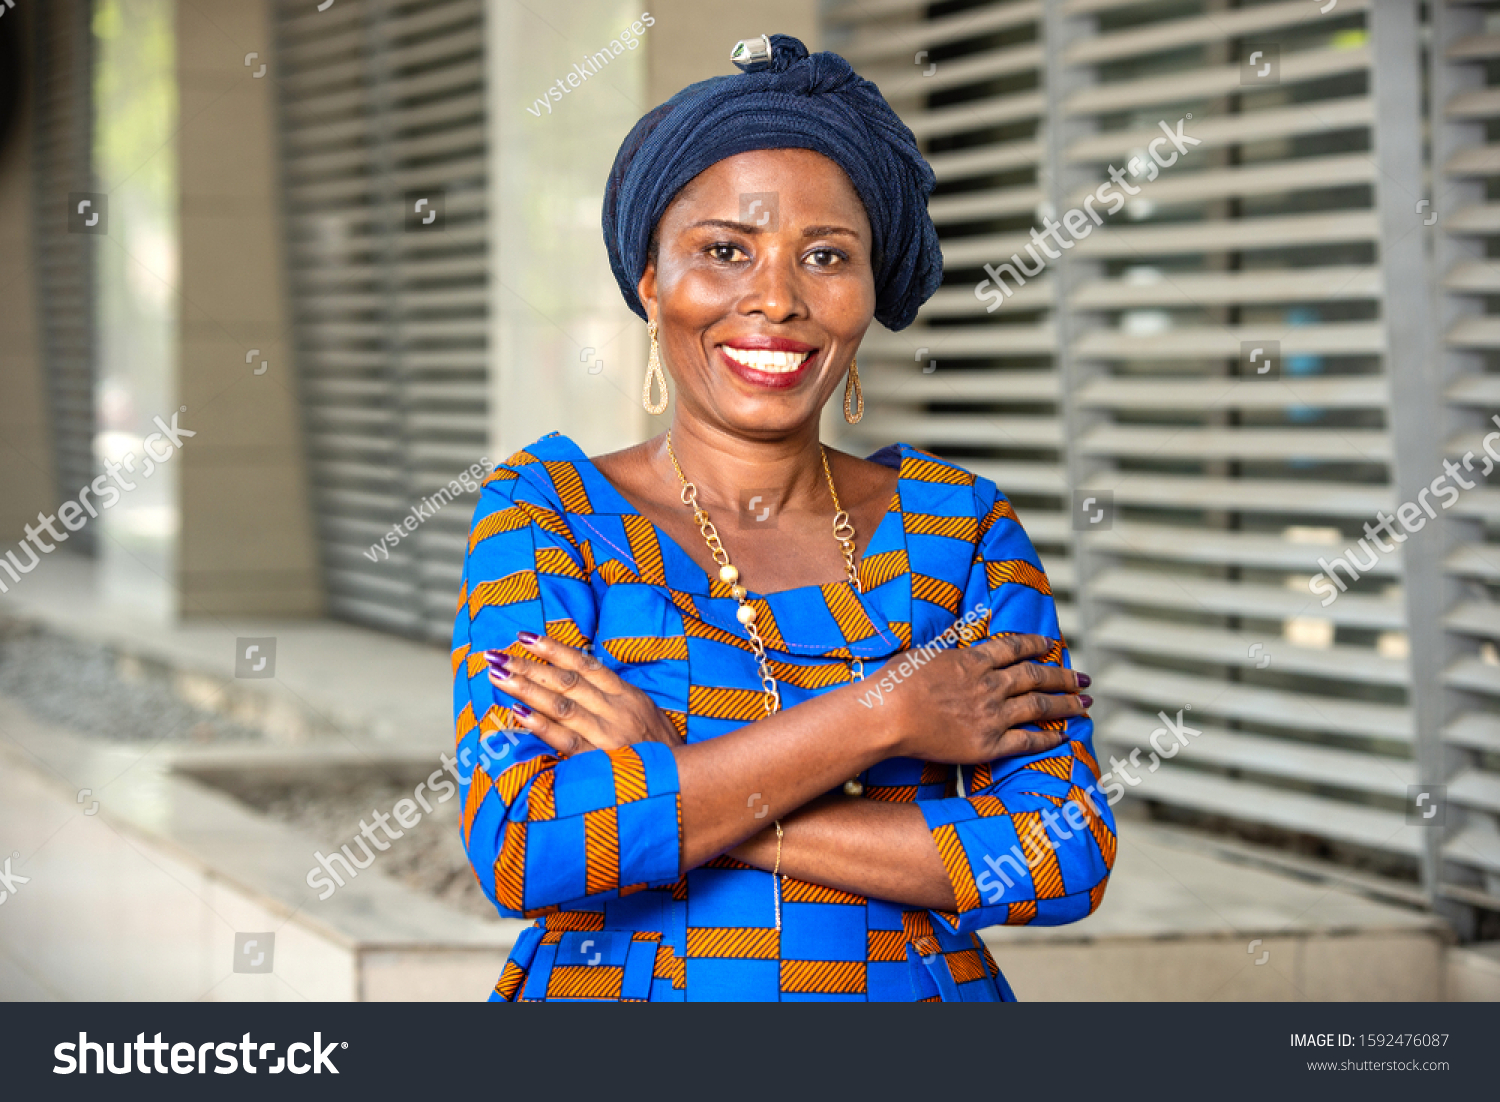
x: 891, y: 515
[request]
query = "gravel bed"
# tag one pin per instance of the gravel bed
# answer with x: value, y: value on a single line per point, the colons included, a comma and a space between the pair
x: 79, y: 686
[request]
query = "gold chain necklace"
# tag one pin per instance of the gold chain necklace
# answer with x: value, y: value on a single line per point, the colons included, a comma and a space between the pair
x: 843, y: 531
x: 729, y: 574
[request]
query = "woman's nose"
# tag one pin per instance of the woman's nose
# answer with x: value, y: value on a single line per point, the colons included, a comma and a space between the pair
x: 775, y: 289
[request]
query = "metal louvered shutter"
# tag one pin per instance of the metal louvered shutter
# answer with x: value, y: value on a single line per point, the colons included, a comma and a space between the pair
x: 63, y: 136
x: 1276, y: 233
x: 1122, y: 372
x: 381, y: 100
x: 1465, y: 68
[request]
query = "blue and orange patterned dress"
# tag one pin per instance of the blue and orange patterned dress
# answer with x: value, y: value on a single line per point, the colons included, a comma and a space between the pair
x: 590, y: 846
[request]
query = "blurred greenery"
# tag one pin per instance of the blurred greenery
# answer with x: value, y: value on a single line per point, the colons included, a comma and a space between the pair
x: 137, y: 278
x: 135, y: 94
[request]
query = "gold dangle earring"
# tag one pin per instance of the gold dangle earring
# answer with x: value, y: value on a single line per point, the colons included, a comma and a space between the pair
x: 854, y: 395
x: 654, y: 371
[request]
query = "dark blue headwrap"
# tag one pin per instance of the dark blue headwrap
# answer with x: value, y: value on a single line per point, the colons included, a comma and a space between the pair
x: 791, y: 101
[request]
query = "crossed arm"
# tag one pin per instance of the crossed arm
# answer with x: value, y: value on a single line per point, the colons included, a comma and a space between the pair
x: 601, y: 796
x: 575, y: 705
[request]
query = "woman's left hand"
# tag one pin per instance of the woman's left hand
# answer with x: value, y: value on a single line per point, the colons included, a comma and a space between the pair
x: 573, y: 703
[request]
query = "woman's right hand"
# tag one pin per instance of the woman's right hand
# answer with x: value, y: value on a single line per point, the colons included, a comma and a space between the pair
x: 967, y: 705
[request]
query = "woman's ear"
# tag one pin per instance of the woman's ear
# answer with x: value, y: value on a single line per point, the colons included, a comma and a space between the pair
x: 646, y: 289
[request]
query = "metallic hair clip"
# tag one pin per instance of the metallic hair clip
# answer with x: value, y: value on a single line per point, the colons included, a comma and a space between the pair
x: 751, y: 54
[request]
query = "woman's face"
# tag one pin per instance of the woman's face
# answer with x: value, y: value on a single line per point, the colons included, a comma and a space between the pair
x: 763, y: 286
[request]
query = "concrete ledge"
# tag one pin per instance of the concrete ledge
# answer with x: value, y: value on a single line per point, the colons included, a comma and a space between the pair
x: 142, y: 898
x: 1179, y: 923
x: 1473, y: 975
x: 1300, y: 968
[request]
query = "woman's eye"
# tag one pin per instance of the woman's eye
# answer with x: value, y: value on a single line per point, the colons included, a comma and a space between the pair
x: 725, y: 253
x: 825, y: 258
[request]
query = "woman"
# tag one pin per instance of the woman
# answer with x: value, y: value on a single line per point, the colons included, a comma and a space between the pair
x: 808, y: 755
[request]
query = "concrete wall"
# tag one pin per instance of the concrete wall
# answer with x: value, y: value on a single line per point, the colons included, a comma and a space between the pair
x: 246, y: 543
x: 565, y: 352
x: 26, y: 484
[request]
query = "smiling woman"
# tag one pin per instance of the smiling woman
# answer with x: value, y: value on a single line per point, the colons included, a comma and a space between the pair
x: 703, y: 801
x: 812, y: 238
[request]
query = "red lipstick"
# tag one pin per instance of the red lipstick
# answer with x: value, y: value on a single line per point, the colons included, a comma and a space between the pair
x: 773, y: 373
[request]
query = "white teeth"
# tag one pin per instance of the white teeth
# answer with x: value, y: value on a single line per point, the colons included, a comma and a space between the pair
x: 776, y: 363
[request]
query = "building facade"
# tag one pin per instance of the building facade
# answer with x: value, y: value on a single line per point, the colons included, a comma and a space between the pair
x: 1216, y: 317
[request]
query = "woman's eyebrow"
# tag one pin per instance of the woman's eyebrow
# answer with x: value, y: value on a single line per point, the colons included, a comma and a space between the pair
x: 726, y: 224
x: 750, y: 227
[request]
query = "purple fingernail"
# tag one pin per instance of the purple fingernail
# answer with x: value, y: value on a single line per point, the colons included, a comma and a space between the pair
x: 497, y: 659
x: 1086, y: 700
x: 500, y: 673
x: 520, y: 709
x: 1084, y: 681
x: 528, y: 637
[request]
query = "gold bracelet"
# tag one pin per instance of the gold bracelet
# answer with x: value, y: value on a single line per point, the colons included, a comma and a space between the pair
x: 776, y: 875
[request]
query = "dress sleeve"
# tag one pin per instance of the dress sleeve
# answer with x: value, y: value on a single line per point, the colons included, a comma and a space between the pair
x: 1033, y: 840
x: 543, y: 833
